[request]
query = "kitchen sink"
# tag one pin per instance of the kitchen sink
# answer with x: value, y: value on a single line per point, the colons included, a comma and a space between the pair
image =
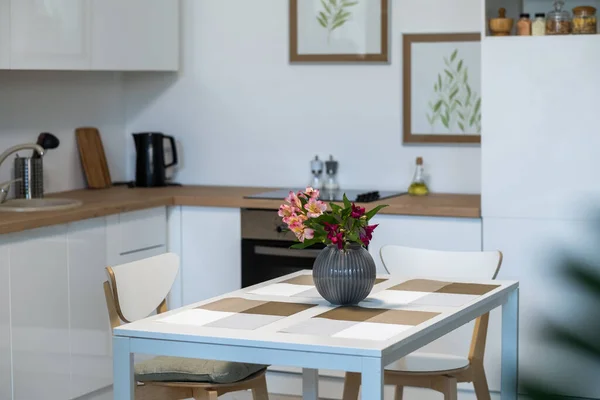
x: 37, y: 205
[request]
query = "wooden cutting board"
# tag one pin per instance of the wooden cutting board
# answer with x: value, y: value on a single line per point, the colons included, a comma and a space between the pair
x: 93, y: 158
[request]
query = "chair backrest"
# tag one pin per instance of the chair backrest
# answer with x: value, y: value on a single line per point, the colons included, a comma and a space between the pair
x: 410, y: 262
x: 424, y: 263
x: 138, y: 288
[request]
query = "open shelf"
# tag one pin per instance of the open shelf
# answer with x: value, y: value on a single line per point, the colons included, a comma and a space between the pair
x: 515, y: 7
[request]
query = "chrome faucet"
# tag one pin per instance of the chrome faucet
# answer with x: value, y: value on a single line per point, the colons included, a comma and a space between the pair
x: 5, y: 186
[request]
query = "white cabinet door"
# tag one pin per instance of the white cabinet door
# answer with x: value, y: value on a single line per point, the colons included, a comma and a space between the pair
x: 136, y: 235
x: 211, y: 252
x: 4, y: 34
x: 135, y: 35
x: 40, y: 314
x: 5, y: 362
x: 50, y: 34
x: 532, y: 252
x: 90, y: 335
x: 536, y: 155
x: 458, y: 234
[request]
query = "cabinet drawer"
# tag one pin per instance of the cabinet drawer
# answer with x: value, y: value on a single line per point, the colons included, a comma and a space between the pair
x: 136, y: 231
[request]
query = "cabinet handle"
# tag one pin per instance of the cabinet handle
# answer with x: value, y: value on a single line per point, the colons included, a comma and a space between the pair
x: 283, y: 252
x: 125, y: 253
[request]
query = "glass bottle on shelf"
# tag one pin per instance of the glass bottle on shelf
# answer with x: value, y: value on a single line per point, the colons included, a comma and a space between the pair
x: 558, y: 21
x: 524, y: 25
x: 418, y: 187
x: 538, y: 27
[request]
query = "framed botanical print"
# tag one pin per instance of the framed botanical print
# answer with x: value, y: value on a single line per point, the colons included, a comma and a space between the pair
x: 442, y: 88
x: 338, y: 30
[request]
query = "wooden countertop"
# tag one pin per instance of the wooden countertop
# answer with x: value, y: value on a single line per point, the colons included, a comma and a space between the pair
x: 98, y: 203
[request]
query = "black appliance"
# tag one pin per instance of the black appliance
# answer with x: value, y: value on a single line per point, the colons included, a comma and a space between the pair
x: 359, y: 196
x: 266, y: 252
x: 150, y: 164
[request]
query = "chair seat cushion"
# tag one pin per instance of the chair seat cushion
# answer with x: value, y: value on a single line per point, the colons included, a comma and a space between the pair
x: 428, y: 362
x: 178, y: 369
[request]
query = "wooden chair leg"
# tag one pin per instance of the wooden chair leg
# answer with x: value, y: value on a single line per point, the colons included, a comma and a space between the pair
x: 351, y: 386
x: 201, y: 394
x: 482, y: 391
x: 259, y: 391
x: 450, y: 389
x: 398, y: 392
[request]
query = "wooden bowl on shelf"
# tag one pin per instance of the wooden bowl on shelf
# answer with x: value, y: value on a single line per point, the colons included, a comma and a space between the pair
x: 501, y: 26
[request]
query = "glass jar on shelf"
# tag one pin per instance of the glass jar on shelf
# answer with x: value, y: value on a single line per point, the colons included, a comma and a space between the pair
x: 538, y: 27
x: 584, y: 20
x: 524, y: 25
x: 558, y: 21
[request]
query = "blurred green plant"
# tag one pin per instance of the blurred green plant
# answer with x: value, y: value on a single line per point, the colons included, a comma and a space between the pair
x: 585, y: 342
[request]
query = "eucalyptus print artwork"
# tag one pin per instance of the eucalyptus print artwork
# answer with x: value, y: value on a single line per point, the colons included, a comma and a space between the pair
x: 454, y: 103
x: 334, y: 14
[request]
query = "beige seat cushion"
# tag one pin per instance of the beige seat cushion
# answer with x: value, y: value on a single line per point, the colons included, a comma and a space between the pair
x: 428, y: 362
x: 178, y: 369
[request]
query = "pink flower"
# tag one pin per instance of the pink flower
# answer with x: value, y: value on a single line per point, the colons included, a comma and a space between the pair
x: 366, y: 234
x: 295, y: 219
x: 293, y: 199
x: 306, y: 234
x: 357, y: 211
x: 285, y: 211
x: 315, y: 208
x: 313, y: 193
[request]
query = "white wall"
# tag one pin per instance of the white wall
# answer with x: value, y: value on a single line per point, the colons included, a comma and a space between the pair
x: 245, y: 116
x: 58, y: 102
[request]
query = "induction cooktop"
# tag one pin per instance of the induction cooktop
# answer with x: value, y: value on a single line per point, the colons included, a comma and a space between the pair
x: 359, y: 196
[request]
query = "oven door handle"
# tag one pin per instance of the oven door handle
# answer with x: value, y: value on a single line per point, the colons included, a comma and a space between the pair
x: 286, y: 252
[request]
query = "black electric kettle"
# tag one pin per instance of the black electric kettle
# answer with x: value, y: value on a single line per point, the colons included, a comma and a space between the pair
x: 150, y: 165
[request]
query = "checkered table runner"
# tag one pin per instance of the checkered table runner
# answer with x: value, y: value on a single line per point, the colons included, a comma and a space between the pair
x: 386, y: 313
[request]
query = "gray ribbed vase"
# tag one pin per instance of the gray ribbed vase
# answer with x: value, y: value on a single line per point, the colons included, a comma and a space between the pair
x: 344, y: 277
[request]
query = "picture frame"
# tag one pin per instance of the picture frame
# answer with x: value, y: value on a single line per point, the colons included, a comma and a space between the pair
x: 353, y: 31
x: 441, y: 88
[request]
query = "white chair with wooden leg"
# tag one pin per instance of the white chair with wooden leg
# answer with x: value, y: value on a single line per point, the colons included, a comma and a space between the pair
x: 439, y: 372
x: 137, y: 289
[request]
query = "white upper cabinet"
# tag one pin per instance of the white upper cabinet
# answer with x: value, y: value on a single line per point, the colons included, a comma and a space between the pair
x: 135, y: 35
x: 51, y: 34
x: 540, y: 126
x: 117, y: 35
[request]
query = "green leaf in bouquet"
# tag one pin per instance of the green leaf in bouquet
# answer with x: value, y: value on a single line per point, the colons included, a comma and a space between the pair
x: 347, y: 203
x: 335, y: 208
x: 374, y: 211
x: 329, y: 218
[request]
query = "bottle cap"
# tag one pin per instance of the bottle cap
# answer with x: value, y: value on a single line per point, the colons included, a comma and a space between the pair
x: 540, y: 15
x: 419, y: 160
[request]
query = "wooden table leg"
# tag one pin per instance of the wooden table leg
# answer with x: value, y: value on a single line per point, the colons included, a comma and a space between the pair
x: 123, y: 386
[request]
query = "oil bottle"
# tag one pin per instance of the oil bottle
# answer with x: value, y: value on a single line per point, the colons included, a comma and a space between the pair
x: 418, y: 187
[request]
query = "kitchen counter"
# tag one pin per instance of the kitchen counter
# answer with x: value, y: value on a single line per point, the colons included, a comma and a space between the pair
x: 101, y: 202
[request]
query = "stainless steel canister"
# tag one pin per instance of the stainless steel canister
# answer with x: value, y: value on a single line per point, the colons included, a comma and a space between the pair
x: 31, y: 172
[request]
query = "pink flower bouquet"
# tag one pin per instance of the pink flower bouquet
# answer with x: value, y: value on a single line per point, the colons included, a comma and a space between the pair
x: 307, y: 217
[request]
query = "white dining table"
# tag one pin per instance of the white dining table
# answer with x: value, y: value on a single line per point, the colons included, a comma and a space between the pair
x: 285, y: 322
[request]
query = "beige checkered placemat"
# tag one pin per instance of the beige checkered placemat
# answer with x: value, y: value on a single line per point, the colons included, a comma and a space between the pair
x: 299, y: 286
x: 383, y: 315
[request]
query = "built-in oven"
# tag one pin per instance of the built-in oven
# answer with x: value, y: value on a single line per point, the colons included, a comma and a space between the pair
x: 266, y: 252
